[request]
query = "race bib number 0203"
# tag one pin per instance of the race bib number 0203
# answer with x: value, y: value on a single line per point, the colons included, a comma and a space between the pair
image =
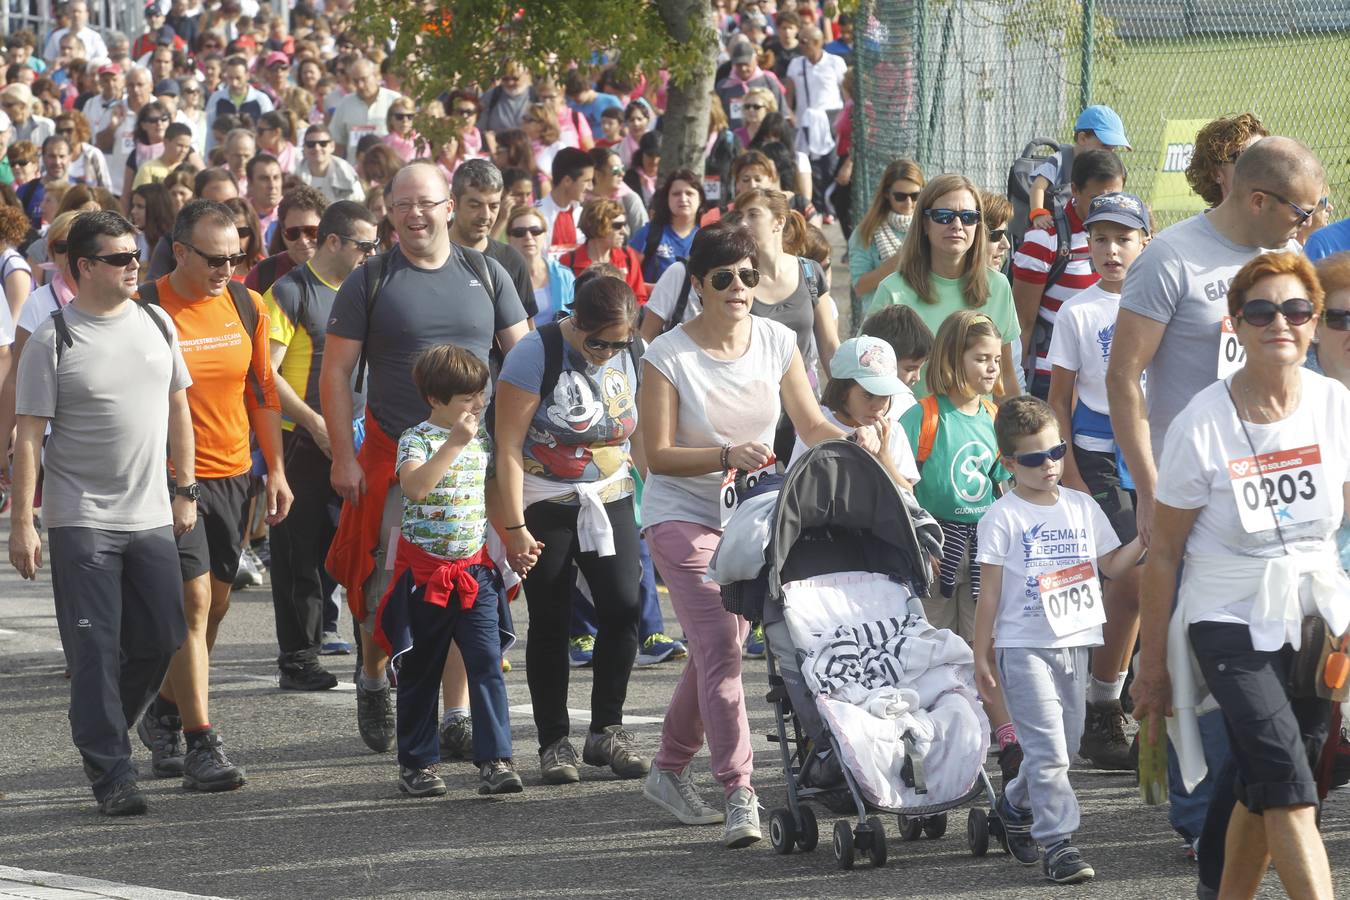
x: 1072, y: 599
x: 728, y: 499
x: 1284, y: 487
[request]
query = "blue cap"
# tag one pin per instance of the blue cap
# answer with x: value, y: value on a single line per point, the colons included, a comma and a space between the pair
x: 1123, y: 209
x: 869, y: 361
x: 1105, y: 123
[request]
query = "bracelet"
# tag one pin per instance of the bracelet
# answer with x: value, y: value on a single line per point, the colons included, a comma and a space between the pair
x: 726, y: 456
x: 514, y: 527
x: 1038, y: 212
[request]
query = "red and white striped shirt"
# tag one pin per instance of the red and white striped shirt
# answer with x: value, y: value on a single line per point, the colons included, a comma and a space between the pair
x: 1031, y: 264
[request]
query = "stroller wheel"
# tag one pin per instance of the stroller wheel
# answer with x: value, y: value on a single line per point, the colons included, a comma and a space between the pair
x: 782, y: 832
x: 843, y: 844
x: 876, y: 842
x: 977, y: 832
x: 808, y: 832
x: 911, y: 828
x: 935, y: 826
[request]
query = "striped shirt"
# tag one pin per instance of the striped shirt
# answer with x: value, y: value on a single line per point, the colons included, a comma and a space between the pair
x: 1031, y: 265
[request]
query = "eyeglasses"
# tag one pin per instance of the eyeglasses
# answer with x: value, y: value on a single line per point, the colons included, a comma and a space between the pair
x: 154, y: 120
x: 366, y: 247
x: 310, y: 145
x: 1296, y: 311
x: 1303, y: 214
x: 902, y: 196
x: 968, y: 217
x: 997, y: 234
x: 404, y: 207
x: 1037, y: 459
x: 535, y: 230
x: 1337, y: 319
x: 118, y: 260
x: 404, y: 116
x: 754, y: 106
x: 295, y: 232
x: 595, y: 345
x: 466, y: 110
x: 217, y: 262
x: 721, y: 279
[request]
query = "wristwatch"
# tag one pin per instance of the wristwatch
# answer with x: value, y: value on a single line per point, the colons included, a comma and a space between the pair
x: 191, y: 491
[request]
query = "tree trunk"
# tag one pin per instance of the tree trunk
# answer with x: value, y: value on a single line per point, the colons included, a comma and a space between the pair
x: 684, y: 128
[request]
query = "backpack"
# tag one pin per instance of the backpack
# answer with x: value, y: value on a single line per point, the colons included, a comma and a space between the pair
x: 682, y: 302
x: 248, y: 320
x: 1020, y: 176
x: 64, y: 340
x: 928, y: 428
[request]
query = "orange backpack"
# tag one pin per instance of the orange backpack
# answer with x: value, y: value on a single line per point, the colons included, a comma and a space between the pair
x: 928, y: 429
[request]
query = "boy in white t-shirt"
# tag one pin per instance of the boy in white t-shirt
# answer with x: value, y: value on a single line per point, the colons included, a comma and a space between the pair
x: 1042, y: 550
x: 1118, y: 229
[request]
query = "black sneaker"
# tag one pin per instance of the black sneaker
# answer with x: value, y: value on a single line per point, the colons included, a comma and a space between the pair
x: 457, y: 739
x: 1015, y: 835
x: 1065, y: 865
x: 207, y: 768
x: 1104, y: 743
x: 163, y: 737
x: 125, y: 799
x: 420, y: 782
x: 498, y: 777
x: 613, y: 747
x: 312, y: 677
x: 375, y: 717
x: 1010, y: 762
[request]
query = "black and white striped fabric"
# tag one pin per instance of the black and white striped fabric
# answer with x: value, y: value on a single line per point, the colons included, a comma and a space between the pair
x: 872, y: 655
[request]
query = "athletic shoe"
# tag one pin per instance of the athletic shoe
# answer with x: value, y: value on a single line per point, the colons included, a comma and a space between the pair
x: 1064, y: 865
x: 207, y: 768
x: 312, y: 677
x: 262, y: 553
x: 457, y: 739
x: 163, y: 737
x: 657, y: 648
x: 375, y: 717
x: 558, y: 763
x: 1104, y: 743
x: 125, y: 799
x: 675, y: 793
x: 754, y: 643
x: 742, y: 828
x: 1010, y: 762
x: 332, y: 644
x: 420, y: 782
x: 613, y: 747
x: 1015, y: 835
x: 249, y: 574
x: 497, y: 777
x: 580, y: 651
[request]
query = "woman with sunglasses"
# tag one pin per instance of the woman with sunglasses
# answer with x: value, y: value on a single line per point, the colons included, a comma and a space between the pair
x: 250, y: 237
x: 565, y: 454
x: 874, y: 244
x: 1252, y: 486
x: 942, y: 267
x: 276, y: 136
x: 402, y: 138
x: 609, y: 185
x: 462, y: 108
x: 152, y: 121
x: 606, y: 229
x: 88, y: 165
x: 554, y: 283
x: 757, y: 104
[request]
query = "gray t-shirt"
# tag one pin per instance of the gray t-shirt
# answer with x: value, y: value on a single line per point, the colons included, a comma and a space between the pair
x: 108, y: 403
x: 502, y: 111
x: 798, y: 309
x: 1181, y: 279
x: 416, y: 309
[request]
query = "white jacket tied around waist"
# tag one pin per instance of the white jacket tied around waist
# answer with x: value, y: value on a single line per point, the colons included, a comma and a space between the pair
x: 1212, y: 581
x: 594, y: 532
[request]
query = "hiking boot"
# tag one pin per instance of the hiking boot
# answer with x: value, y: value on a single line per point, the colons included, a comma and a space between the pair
x: 420, y: 782
x: 613, y: 747
x: 125, y: 799
x: 1010, y: 762
x: 580, y: 650
x: 163, y: 737
x: 1104, y: 743
x: 497, y: 777
x: 742, y: 828
x: 207, y: 768
x: 457, y: 739
x: 375, y: 717
x: 558, y: 763
x: 657, y: 648
x: 1015, y: 835
x: 311, y: 677
x: 754, y: 643
x: 1064, y: 865
x: 675, y: 793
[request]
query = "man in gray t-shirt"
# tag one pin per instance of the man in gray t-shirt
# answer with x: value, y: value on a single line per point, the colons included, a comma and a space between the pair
x: 107, y: 375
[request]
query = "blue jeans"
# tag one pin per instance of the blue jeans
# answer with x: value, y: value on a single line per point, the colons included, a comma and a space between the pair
x: 649, y: 622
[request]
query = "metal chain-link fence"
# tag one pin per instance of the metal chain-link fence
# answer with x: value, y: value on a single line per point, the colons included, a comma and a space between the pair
x: 963, y: 85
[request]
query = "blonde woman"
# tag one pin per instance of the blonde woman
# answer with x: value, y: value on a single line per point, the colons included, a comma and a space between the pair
x: 874, y: 246
x: 756, y: 105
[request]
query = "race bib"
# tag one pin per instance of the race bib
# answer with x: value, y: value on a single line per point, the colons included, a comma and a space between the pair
x: 1285, y: 487
x: 712, y: 187
x: 1231, y: 354
x: 728, y: 500
x: 735, y: 107
x: 1072, y: 599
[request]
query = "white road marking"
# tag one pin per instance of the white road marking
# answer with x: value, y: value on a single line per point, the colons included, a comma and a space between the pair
x: 27, y: 883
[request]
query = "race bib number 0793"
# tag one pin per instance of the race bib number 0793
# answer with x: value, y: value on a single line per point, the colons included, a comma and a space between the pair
x: 728, y: 499
x: 1072, y: 599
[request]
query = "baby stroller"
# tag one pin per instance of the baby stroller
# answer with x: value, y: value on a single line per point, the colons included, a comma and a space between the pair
x: 875, y: 710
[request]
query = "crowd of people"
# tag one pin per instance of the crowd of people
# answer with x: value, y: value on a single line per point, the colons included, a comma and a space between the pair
x: 419, y: 378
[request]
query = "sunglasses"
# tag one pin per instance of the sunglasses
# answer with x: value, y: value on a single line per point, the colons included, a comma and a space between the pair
x: 755, y: 106
x: 1037, y: 459
x: 404, y: 116
x: 119, y: 260
x: 1337, y: 319
x: 616, y: 170
x: 721, y: 279
x: 216, y: 262
x: 1296, y: 311
x: 997, y: 234
x: 65, y: 131
x: 466, y: 111
x: 295, y: 232
x: 595, y: 345
x: 309, y: 145
x: 366, y: 247
x: 619, y: 223
x: 968, y: 217
x: 1303, y: 214
x: 60, y: 247
x: 902, y: 196
x: 535, y: 230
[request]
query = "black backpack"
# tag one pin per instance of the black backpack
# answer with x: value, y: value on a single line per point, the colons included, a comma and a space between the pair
x: 64, y: 340
x: 248, y: 320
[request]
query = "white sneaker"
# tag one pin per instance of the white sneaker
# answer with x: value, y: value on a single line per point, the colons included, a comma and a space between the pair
x: 742, y: 819
x: 674, y: 792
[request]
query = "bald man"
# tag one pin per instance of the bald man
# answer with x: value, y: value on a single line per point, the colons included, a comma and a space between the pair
x: 364, y: 111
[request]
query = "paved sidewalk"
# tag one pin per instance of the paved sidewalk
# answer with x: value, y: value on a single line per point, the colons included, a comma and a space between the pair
x: 24, y: 884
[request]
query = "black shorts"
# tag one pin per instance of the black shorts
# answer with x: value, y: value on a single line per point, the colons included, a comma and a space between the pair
x: 1276, y: 738
x: 214, y: 545
x: 1102, y: 476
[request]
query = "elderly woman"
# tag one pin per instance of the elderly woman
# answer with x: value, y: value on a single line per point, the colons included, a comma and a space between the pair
x: 606, y: 228
x: 1252, y: 485
x: 553, y: 282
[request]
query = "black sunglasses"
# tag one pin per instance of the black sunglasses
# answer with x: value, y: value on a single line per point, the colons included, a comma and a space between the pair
x: 1337, y: 319
x: 404, y: 116
x: 59, y: 247
x: 721, y: 279
x: 595, y: 345
x: 118, y: 260
x: 997, y: 234
x: 1296, y: 311
x: 295, y: 232
x: 1037, y: 459
x: 902, y: 196
x: 217, y: 262
x: 466, y: 111
x: 968, y: 217
x: 619, y: 223
x: 753, y: 106
x: 366, y: 247
x: 313, y: 144
x: 535, y: 230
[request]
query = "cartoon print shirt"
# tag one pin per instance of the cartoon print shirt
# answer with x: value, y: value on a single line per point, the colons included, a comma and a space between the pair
x: 451, y: 521
x: 580, y: 432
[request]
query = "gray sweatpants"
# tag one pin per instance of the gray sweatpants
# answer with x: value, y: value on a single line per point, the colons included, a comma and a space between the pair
x: 1046, y: 691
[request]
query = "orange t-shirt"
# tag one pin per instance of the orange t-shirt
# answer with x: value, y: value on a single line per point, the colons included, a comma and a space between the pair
x: 219, y: 356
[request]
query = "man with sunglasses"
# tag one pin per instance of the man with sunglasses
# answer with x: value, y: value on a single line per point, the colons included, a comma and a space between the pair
x: 223, y: 328
x: 299, y: 305
x: 322, y: 169
x: 364, y: 111
x: 297, y: 232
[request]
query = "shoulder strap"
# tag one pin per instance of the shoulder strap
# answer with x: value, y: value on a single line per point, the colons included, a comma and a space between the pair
x: 154, y: 317
x: 681, y: 302
x: 551, y: 336
x: 379, y: 264
x: 809, y: 276
x: 63, y: 338
x: 478, y: 265
x: 248, y: 320
x: 989, y: 407
x: 928, y: 428
x: 654, y: 234
x: 148, y: 293
x: 1063, y: 243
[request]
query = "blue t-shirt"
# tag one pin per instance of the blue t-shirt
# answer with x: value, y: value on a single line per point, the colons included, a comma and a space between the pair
x: 1327, y: 240
x: 596, y: 108
x: 671, y: 248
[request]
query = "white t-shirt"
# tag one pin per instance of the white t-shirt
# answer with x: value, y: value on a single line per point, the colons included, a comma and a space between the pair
x: 1028, y: 541
x: 902, y: 455
x: 720, y: 402
x: 666, y: 294
x: 38, y: 308
x: 1081, y: 343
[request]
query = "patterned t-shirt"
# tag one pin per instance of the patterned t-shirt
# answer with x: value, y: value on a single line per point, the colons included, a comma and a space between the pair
x: 451, y: 521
